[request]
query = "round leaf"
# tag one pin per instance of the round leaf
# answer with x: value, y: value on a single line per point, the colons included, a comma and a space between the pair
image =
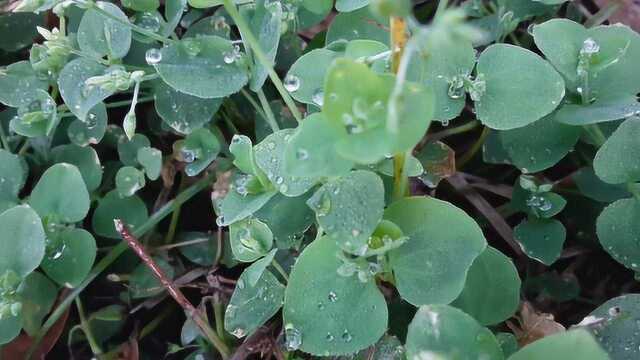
x: 491, y: 292
x: 359, y: 24
x: 18, y: 84
x: 62, y: 193
x: 250, y: 239
x: 151, y: 161
x: 37, y: 294
x: 13, y: 174
x: 431, y: 267
x: 306, y: 76
x: 444, y: 332
x: 618, y: 230
x: 83, y: 133
x: 21, y: 240
x: 84, y: 158
x: 618, y: 334
x: 541, y: 239
x: 197, y: 67
x: 618, y: 160
x: 183, y: 113
x: 574, y: 344
x: 131, y: 210
x: 81, y: 99
x: 70, y: 264
x: 99, y: 35
x: 521, y: 87
x: 327, y: 314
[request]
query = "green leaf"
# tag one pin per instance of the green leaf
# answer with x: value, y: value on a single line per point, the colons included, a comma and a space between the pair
x: 183, y: 113
x: 250, y: 239
x: 61, y: 193
x: 129, y: 180
x: 13, y: 174
x: 173, y: 11
x: 442, y: 63
x: 287, y: 217
x: 618, y: 160
x: 541, y: 239
x: 130, y: 210
x: 235, y: 207
x: 251, y: 305
x: 37, y: 294
x: 618, y: 333
x: 141, y: 5
x: 613, y: 63
x: 202, y: 253
x: 305, y: 79
x: 592, y: 187
x: 79, y: 97
x: 151, y: 160
x: 210, y: 25
x: 539, y: 145
x: 521, y: 87
x: 491, y: 292
x: 18, y: 84
x: 431, y: 267
x: 22, y: 240
x: 39, y: 118
x: 270, y: 158
x: 197, y: 67
x: 618, y: 230
x: 128, y: 149
x: 84, y: 158
x: 359, y: 24
x: 72, y: 261
x: 99, y: 35
x: 202, y: 148
x: 83, y: 133
x: 603, y: 110
x: 574, y: 344
x: 444, y: 332
x: 267, y: 22
x: 10, y: 327
x: 312, y: 149
x: 349, y: 209
x: 327, y: 314
x: 241, y: 148
x: 143, y: 283
x: 350, y: 5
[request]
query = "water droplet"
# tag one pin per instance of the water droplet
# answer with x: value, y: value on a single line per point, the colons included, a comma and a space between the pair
x: 318, y: 97
x: 291, y: 83
x: 329, y: 337
x: 293, y: 337
x: 153, y: 56
x: 220, y: 220
x: 590, y: 47
x: 188, y: 156
x: 332, y: 296
x: 346, y: 336
x: 355, y: 232
x: 302, y: 154
x: 229, y: 58
x: 320, y: 305
x: 239, y: 332
x: 279, y: 180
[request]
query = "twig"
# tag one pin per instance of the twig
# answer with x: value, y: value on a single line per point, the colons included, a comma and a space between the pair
x: 177, y: 295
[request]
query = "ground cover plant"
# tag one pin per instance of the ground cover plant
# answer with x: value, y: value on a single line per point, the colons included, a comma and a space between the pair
x: 297, y: 179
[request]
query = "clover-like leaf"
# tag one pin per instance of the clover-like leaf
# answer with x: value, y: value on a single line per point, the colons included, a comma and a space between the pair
x: 13, y: 174
x: 350, y: 5
x: 100, y: 35
x: 37, y: 294
x: 359, y: 24
x: 541, y: 239
x: 305, y: 79
x: 10, y: 327
x: 576, y: 344
x: 205, y: 67
x: 84, y: 158
x: 443, y: 241
x: 151, y: 160
x: 129, y: 180
x: 608, y: 109
x: 128, y: 149
x: 250, y: 239
x: 266, y: 21
x: 610, y: 165
x: 61, y: 193
x: 130, y: 210
x: 616, y: 331
x: 441, y: 331
x: 521, y: 87
x: 90, y: 131
x: 182, y: 112
x: 201, y: 147
x: 491, y: 291
x: 592, y: 187
x: 235, y: 206
x: 18, y: 84
x: 78, y: 96
x: 70, y: 263
x: 327, y: 314
x: 619, y: 231
x: 349, y: 209
x: 22, y: 241
x: 251, y: 305
x: 287, y: 217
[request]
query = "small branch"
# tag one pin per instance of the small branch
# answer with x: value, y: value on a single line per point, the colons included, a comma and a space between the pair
x: 177, y: 295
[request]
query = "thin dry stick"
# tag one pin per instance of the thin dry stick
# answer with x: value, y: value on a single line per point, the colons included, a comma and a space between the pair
x: 189, y: 309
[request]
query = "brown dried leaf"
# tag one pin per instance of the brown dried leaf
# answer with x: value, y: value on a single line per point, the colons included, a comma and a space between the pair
x: 439, y: 162
x: 221, y: 186
x: 533, y: 325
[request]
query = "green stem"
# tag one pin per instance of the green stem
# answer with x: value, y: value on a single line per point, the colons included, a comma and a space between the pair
x: 455, y: 130
x: 276, y: 265
x: 474, y: 149
x: 86, y: 328
x: 168, y: 239
x: 117, y: 250
x: 25, y: 147
x: 271, y: 118
x: 219, y: 318
x: 254, y: 104
x: 136, y: 28
x: 3, y: 139
x: 262, y: 58
x: 153, y: 324
x: 603, y: 14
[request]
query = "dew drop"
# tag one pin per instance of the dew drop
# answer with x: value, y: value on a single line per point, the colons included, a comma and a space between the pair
x: 291, y: 83
x: 332, y: 296
x: 302, y: 154
x: 346, y: 336
x: 293, y: 337
x: 153, y: 56
x: 318, y: 97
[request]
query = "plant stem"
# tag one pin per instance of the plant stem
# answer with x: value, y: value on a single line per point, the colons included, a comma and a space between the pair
x: 86, y: 328
x: 262, y: 58
x: 280, y: 269
x: 193, y: 313
x: 218, y: 314
x: 398, y: 44
x: 136, y: 28
x: 603, y: 14
x: 254, y: 104
x: 454, y: 131
x: 114, y: 254
x: 271, y: 119
x: 153, y: 324
x: 168, y: 239
x: 3, y: 139
x: 474, y: 148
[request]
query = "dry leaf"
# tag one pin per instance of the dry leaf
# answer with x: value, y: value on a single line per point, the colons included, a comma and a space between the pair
x: 533, y: 325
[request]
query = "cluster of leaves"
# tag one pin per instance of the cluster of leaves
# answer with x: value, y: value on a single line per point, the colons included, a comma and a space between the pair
x: 316, y: 197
